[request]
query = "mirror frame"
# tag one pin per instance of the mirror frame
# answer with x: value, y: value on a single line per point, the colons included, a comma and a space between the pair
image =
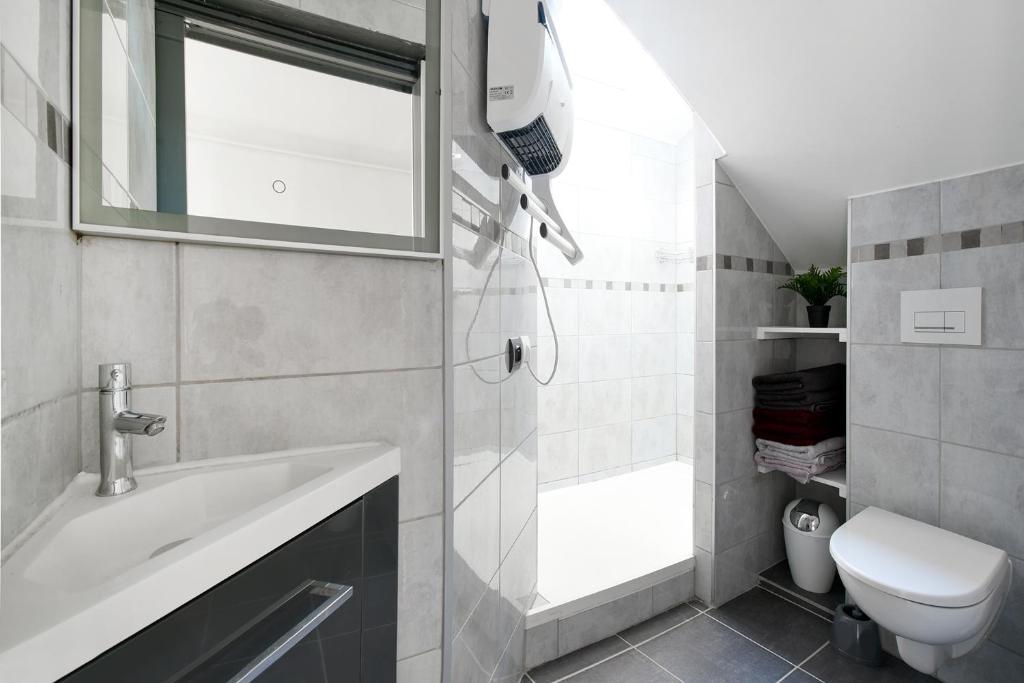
x: 91, y: 217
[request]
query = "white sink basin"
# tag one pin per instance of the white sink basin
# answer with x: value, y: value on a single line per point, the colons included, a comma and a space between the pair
x: 93, y: 571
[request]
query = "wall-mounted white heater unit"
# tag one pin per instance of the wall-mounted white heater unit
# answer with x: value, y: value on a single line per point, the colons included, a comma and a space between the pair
x: 529, y: 105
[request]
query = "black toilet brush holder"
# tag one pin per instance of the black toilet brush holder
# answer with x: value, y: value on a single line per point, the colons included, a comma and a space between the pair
x: 856, y: 636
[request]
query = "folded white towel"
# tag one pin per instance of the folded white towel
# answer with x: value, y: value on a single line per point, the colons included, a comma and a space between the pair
x: 806, y: 452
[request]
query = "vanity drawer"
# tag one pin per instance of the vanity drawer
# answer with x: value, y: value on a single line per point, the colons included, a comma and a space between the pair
x: 320, y: 609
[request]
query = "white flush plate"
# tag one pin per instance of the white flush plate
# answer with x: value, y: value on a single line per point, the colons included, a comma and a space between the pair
x: 941, y: 316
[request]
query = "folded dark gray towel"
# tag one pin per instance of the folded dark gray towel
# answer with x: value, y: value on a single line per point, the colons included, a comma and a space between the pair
x: 808, y: 400
x: 821, y: 378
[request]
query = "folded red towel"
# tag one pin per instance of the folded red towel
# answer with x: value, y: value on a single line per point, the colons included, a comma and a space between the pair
x: 798, y: 416
x: 796, y: 435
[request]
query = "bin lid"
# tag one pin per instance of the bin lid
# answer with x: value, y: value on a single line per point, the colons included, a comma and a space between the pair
x: 811, y: 518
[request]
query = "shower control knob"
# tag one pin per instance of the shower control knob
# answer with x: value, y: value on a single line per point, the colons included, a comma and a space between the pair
x: 513, y: 354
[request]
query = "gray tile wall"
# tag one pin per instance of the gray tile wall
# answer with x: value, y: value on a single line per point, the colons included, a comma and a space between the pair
x: 495, y: 468
x: 289, y: 349
x: 40, y: 265
x: 742, y: 529
x: 936, y: 430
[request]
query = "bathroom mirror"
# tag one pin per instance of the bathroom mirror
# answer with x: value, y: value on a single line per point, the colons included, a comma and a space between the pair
x: 249, y: 122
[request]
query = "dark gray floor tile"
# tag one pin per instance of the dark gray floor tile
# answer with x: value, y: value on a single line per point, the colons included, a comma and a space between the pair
x: 832, y: 667
x: 780, y: 575
x: 629, y: 666
x: 697, y: 605
x: 574, y: 661
x: 658, y: 624
x: 705, y: 650
x: 825, y: 614
x: 785, y: 629
x: 799, y: 676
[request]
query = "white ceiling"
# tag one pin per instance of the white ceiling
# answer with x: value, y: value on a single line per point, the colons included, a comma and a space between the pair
x: 818, y: 101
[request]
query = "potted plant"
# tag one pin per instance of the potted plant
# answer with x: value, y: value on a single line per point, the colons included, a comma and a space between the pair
x: 818, y: 287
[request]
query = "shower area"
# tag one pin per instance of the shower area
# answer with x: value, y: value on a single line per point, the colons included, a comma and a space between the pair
x: 615, y: 423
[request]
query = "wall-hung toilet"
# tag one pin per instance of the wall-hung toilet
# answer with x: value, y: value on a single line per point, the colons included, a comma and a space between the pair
x: 938, y: 592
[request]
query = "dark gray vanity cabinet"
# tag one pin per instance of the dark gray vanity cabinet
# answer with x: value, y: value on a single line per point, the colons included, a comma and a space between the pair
x: 294, y: 601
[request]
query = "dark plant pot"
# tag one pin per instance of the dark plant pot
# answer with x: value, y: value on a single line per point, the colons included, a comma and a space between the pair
x: 817, y: 316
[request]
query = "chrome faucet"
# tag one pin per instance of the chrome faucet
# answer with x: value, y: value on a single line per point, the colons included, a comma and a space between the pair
x: 118, y: 422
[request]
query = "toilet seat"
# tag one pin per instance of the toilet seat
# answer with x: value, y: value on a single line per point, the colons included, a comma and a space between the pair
x: 917, y: 562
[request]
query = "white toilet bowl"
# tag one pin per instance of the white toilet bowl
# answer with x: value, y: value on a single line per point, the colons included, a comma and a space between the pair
x: 938, y: 592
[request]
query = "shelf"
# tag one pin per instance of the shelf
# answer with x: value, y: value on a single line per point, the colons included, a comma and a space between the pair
x: 837, y: 333
x: 836, y: 479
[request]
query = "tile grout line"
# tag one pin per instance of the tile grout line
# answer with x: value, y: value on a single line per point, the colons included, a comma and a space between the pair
x: 794, y: 603
x: 651, y: 659
x: 751, y: 640
x: 805, y: 660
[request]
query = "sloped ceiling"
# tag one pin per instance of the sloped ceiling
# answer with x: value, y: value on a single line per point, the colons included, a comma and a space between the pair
x: 818, y: 101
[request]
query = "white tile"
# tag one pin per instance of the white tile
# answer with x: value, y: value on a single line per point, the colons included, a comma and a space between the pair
x: 559, y: 456
x: 653, y: 396
x: 558, y: 408
x: 653, y: 354
x: 564, y: 305
x: 685, y: 347
x: 653, y: 312
x: 604, y: 312
x: 474, y: 308
x: 684, y: 395
x: 518, y: 491
x: 603, y: 403
x: 654, y: 438
x: 421, y: 668
x: 568, y: 370
x: 476, y: 544
x: 605, y: 357
x: 603, y: 448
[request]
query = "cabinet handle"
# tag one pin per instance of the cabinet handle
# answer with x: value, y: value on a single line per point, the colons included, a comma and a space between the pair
x: 336, y: 594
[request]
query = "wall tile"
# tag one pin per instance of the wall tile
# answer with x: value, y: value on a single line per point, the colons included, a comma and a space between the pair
x: 512, y: 665
x: 895, y: 388
x: 654, y: 438
x: 999, y: 271
x: 519, y: 405
x: 559, y: 456
x: 685, y: 345
x: 983, y: 399
x: 738, y: 231
x: 405, y: 21
x: 40, y: 457
x: 277, y: 414
x: 247, y: 312
x: 983, y: 199
x: 477, y: 424
x: 474, y: 310
x: 743, y: 302
x: 734, y: 446
x: 602, y: 621
x: 147, y: 451
x: 706, y: 305
x: 420, y: 577
x: 606, y: 357
x: 981, y: 496
x: 675, y: 591
x: 703, y: 510
x: 543, y: 358
x: 565, y: 309
x: 704, y: 377
x: 704, y: 447
x: 421, y: 668
x: 603, y: 448
x: 896, y: 472
x: 604, y: 312
x: 518, y: 491
x: 736, y: 365
x: 604, y: 403
x: 135, y: 323
x: 40, y: 314
x: 518, y: 579
x: 875, y: 288
x: 910, y: 212
x: 542, y: 644
x: 653, y: 312
x: 478, y: 646
x: 558, y: 408
x: 476, y: 546
x: 655, y: 396
x: 1009, y: 628
x: 653, y: 354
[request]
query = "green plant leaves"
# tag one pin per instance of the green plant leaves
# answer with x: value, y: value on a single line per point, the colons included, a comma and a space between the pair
x: 817, y: 286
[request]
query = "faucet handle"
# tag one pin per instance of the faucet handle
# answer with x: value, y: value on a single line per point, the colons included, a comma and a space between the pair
x: 115, y: 376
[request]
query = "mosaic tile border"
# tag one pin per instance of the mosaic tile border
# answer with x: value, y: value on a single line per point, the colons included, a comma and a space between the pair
x: 27, y: 102
x: 744, y: 263
x: 974, y: 238
x: 618, y: 285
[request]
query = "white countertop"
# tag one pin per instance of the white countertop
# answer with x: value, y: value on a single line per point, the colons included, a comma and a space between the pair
x: 60, y: 608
